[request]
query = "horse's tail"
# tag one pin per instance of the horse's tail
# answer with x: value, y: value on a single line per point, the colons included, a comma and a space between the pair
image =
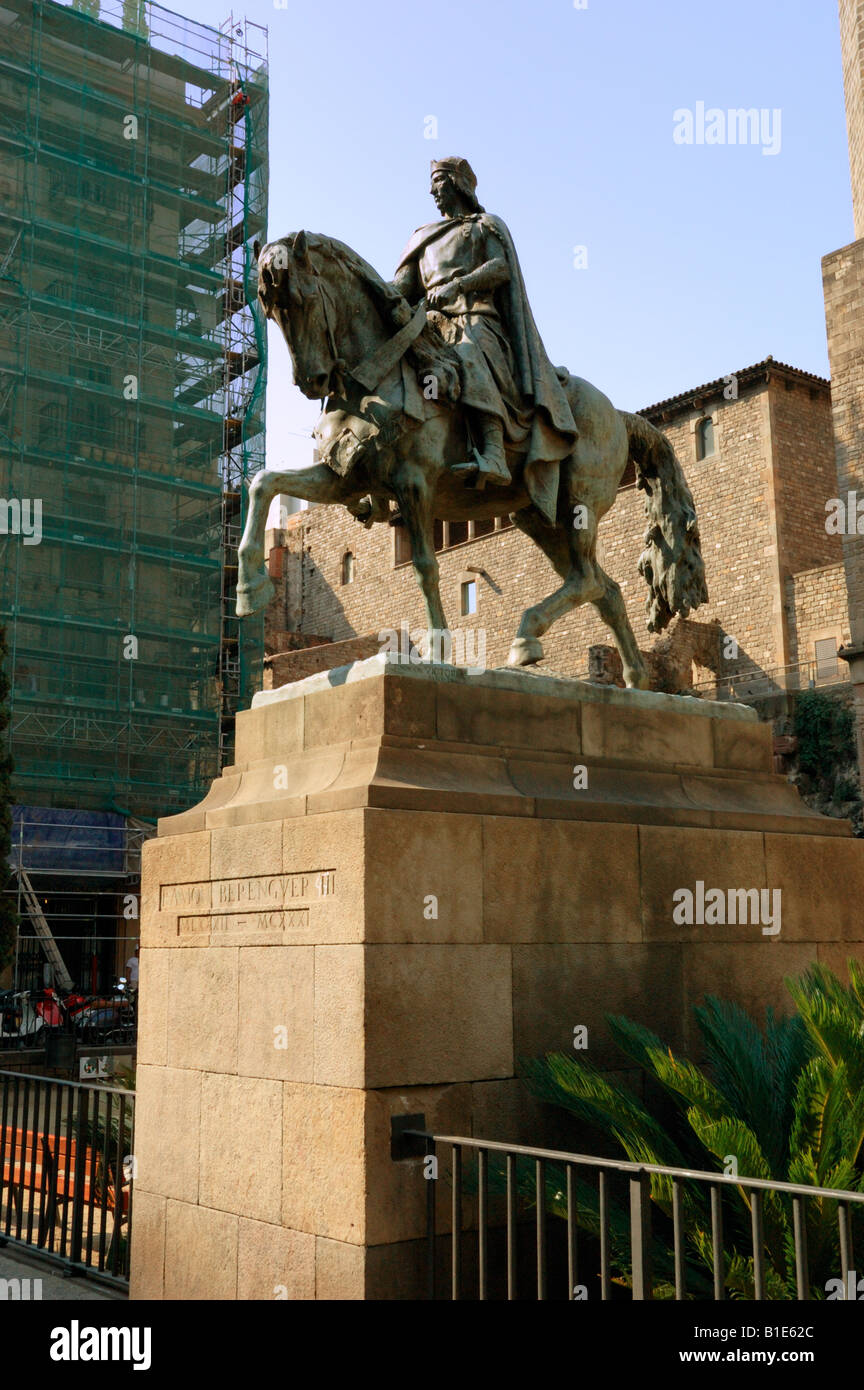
x: 671, y: 562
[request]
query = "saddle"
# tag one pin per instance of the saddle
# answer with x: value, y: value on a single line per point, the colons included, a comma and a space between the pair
x: 345, y: 437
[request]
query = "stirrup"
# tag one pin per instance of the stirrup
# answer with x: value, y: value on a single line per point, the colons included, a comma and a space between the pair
x: 482, y: 473
x: 469, y: 469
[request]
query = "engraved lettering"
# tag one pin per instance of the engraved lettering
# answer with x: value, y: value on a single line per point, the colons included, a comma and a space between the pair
x: 289, y: 920
x: 254, y: 896
x: 178, y: 895
x: 193, y: 925
x: 276, y: 888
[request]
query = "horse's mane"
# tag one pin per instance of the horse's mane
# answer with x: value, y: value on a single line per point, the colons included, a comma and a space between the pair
x: 332, y: 250
x: 428, y: 352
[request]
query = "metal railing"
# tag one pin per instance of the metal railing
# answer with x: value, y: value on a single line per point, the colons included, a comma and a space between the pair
x: 565, y: 1166
x: 756, y: 684
x: 66, y: 1171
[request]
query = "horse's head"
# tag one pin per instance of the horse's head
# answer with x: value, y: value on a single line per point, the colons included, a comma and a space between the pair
x: 292, y: 293
x: 332, y: 306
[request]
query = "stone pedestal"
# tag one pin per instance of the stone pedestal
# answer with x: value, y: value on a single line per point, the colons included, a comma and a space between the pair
x: 405, y: 884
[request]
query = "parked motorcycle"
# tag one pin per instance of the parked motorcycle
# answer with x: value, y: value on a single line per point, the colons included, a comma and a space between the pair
x: 108, y: 1019
x: 27, y: 1015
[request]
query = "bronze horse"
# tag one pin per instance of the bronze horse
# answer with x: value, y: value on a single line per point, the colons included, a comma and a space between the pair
x: 355, y: 341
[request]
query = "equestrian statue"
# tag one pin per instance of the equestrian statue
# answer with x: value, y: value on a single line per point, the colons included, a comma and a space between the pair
x: 439, y: 401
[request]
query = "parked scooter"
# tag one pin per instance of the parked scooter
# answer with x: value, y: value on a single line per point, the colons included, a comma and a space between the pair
x: 22, y: 1018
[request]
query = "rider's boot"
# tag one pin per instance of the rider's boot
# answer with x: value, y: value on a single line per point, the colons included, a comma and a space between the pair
x: 491, y: 465
x: 370, y: 509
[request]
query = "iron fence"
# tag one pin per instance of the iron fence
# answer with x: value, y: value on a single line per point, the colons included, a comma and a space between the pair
x: 506, y: 1171
x: 66, y: 1171
x: 756, y: 684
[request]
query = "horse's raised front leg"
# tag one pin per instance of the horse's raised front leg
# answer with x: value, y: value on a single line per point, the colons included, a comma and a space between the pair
x: 414, y: 496
x: 254, y: 586
x: 316, y: 484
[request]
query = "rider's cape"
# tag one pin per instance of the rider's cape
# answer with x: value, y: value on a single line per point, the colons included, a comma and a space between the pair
x: 553, y: 432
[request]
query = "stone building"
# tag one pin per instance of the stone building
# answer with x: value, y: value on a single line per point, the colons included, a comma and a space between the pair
x: 758, y: 452
x: 132, y: 188
x: 843, y: 281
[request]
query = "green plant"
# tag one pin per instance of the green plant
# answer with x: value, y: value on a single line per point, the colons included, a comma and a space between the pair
x: 825, y: 729
x: 784, y: 1102
x: 845, y: 789
x: 108, y: 1142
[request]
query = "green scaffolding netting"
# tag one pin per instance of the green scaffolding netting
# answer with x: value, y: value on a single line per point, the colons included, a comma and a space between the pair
x: 133, y: 180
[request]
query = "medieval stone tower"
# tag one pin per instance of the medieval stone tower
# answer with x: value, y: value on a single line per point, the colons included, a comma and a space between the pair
x: 852, y: 41
x: 843, y: 280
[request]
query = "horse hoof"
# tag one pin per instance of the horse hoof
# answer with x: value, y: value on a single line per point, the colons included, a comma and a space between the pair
x: 251, y: 598
x: 525, y: 651
x: 637, y: 680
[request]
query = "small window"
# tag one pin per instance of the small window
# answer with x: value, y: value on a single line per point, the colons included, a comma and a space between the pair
x: 86, y: 506
x: 85, y: 369
x: 457, y: 532
x: 348, y: 568
x: 402, y: 545
x: 482, y: 527
x: 705, y: 438
x: 469, y: 597
x: 52, y: 422
x: 826, y: 658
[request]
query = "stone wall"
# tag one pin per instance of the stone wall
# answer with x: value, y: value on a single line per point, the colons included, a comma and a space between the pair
x: 816, y: 608
x: 283, y: 667
x: 760, y: 498
x: 843, y: 283
x: 806, y: 474
x: 852, y: 43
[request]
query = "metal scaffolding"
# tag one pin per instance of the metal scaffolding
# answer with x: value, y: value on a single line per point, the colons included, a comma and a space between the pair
x: 133, y: 180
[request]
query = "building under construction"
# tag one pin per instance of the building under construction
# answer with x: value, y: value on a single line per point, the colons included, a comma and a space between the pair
x: 133, y: 180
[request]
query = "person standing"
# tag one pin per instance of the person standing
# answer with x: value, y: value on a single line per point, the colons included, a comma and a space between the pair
x: 132, y: 970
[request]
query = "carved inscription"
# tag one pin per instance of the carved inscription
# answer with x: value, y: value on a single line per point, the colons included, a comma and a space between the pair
x: 279, y: 888
x: 288, y: 921
x: 174, y: 896
x: 267, y: 903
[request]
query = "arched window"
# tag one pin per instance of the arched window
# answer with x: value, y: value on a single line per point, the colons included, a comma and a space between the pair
x: 705, y: 438
x: 347, y: 568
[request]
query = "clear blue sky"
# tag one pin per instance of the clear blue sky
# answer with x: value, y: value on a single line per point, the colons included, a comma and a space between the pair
x: 701, y: 259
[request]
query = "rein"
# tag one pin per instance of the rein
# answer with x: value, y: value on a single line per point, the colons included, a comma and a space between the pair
x: 378, y: 364
x: 374, y: 368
